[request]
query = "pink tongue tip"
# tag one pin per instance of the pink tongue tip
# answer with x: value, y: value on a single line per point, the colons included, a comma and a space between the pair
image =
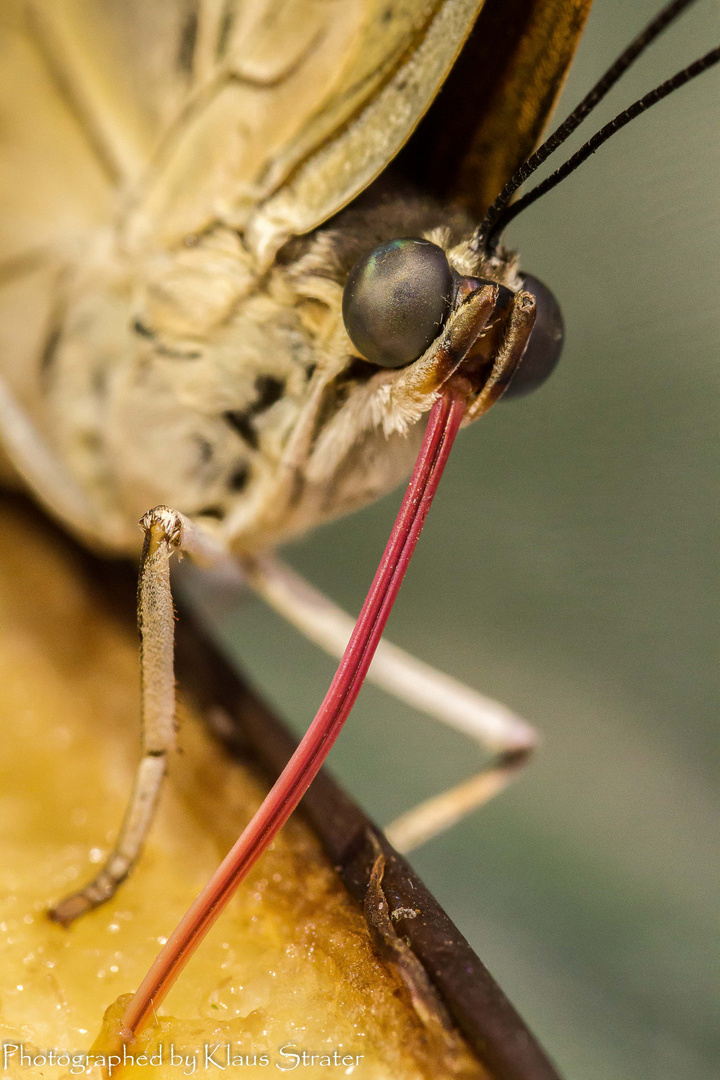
x: 300, y: 771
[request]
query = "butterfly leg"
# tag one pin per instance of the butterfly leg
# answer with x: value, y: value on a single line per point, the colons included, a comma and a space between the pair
x: 484, y: 720
x: 166, y: 532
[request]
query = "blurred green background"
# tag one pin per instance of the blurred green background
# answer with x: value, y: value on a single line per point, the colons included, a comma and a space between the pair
x: 566, y: 570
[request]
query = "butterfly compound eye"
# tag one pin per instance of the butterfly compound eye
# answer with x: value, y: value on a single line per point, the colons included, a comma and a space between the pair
x: 545, y: 344
x: 396, y: 300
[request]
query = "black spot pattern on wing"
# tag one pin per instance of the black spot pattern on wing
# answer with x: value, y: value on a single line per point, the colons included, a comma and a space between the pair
x: 238, y: 479
x: 269, y: 390
x: 141, y: 329
x: 186, y: 47
x: 49, y: 349
x: 226, y: 25
x: 241, y: 421
x: 205, y: 449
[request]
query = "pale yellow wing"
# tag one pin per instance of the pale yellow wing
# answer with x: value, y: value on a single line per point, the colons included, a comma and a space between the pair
x: 166, y: 116
x: 197, y: 109
x: 267, y: 114
x: 55, y: 189
x: 295, y: 109
x: 169, y: 115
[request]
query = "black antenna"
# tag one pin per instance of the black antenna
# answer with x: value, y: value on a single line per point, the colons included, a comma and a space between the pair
x: 623, y: 118
x: 490, y: 227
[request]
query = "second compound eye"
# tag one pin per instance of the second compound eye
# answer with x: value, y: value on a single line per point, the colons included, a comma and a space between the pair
x: 396, y: 300
x: 545, y: 344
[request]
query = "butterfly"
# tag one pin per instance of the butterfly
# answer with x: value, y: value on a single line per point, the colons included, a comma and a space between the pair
x: 153, y: 280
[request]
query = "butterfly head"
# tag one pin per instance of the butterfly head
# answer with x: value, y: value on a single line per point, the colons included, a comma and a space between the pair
x: 400, y: 296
